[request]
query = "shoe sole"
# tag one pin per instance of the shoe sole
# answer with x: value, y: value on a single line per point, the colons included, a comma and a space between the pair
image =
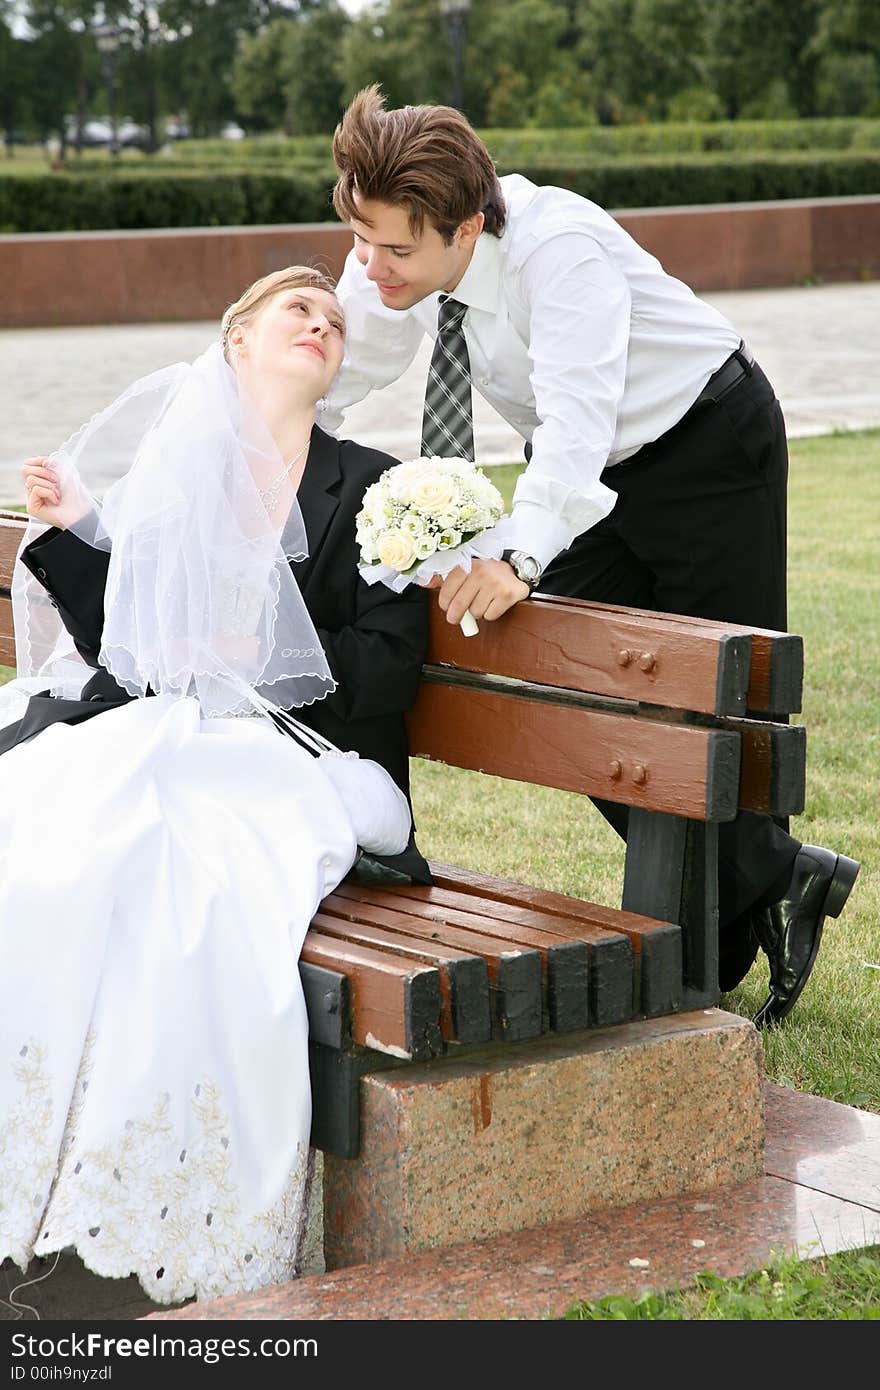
x: 846, y: 871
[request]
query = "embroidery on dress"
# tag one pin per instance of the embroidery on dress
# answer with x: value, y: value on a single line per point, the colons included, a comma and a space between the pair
x: 145, y: 1203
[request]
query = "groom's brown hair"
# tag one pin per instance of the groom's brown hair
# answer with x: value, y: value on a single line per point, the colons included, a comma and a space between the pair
x: 428, y: 159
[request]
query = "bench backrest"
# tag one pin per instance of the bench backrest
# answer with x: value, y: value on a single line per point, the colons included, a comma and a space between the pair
x: 642, y: 708
x: 637, y: 707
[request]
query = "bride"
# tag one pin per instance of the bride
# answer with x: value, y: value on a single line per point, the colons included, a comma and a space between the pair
x: 160, y: 864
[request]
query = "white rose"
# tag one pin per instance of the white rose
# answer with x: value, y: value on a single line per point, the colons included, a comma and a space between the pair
x: 401, y: 479
x: 433, y: 492
x: 396, y: 549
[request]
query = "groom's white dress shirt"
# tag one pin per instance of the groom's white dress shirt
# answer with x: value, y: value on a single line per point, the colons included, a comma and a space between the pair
x: 577, y: 337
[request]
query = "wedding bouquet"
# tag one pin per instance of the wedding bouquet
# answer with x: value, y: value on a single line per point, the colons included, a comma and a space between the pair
x: 422, y: 518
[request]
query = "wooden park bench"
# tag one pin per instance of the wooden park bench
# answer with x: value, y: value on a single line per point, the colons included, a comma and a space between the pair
x: 641, y: 708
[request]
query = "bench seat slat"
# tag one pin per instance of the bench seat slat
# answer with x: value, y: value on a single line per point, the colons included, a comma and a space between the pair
x: 684, y: 769
x: 514, y: 973
x: 590, y: 989
x: 656, y: 946
x: 464, y: 981
x: 564, y: 958
x: 395, y: 1004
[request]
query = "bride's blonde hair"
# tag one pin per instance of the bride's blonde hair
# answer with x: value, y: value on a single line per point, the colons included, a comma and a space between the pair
x: 249, y: 304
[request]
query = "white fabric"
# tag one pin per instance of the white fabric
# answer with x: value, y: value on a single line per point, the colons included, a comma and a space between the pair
x: 158, y: 872
x: 577, y: 337
x: 200, y: 598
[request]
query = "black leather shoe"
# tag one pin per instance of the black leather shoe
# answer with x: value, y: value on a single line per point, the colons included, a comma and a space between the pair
x: 789, y: 931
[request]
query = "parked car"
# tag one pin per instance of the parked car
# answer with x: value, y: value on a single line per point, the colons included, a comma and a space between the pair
x: 176, y: 128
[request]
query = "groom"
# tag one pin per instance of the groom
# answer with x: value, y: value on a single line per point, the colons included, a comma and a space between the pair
x: 657, y: 452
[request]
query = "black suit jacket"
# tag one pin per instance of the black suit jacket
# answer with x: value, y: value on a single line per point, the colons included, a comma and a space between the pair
x: 375, y: 640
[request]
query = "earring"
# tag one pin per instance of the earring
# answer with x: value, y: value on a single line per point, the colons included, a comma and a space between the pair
x: 322, y: 405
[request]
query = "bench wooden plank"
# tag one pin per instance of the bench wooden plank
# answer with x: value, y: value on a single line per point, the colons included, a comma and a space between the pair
x: 588, y: 972
x: 464, y: 981
x: 564, y: 960
x: 776, y: 675
x: 608, y: 651
x: 656, y: 947
x: 395, y: 1004
x: 7, y: 642
x: 514, y: 973
x: 773, y: 759
x: 773, y: 777
x: 682, y: 769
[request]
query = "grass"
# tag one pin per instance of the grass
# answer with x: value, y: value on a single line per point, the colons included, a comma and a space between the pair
x: 845, y: 1287
x: 557, y: 840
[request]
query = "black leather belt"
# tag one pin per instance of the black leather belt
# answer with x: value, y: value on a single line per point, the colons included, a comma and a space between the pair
x: 728, y: 375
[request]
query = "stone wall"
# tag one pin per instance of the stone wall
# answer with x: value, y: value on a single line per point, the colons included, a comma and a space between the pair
x: 192, y: 274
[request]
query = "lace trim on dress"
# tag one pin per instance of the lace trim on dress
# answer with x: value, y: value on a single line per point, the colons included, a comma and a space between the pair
x: 144, y: 1203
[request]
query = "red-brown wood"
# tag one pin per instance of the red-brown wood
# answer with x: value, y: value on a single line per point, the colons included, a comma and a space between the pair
x: 384, y: 907
x: 378, y: 989
x: 7, y: 640
x: 762, y: 641
x: 587, y: 647
x: 661, y: 767
x: 12, y: 528
x: 576, y: 915
x: 428, y: 952
x: 518, y: 929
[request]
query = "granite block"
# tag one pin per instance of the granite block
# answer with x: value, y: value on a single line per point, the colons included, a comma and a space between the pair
x: 513, y: 1138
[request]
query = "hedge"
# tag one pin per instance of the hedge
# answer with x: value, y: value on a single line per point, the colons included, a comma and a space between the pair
x: 525, y: 145
x: 66, y: 202
x: 668, y: 181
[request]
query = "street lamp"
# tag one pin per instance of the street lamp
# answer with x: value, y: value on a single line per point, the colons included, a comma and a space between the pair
x: 455, y: 14
x: 107, y: 38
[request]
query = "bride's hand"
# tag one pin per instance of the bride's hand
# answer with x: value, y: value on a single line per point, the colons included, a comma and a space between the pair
x: 45, y: 500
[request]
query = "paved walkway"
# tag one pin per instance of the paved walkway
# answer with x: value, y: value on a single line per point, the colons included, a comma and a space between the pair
x: 817, y: 345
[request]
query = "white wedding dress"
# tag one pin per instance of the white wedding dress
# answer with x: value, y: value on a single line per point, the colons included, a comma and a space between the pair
x: 158, y: 872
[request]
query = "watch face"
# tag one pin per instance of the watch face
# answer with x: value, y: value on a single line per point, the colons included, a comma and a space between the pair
x: 531, y: 570
x: 525, y: 567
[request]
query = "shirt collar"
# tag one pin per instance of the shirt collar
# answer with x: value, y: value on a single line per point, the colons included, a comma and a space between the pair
x: 479, y: 286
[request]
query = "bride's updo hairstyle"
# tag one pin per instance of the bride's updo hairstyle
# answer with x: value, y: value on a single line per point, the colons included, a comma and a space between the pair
x: 249, y: 304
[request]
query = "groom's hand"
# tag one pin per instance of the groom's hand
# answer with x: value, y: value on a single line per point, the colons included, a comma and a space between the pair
x: 488, y: 591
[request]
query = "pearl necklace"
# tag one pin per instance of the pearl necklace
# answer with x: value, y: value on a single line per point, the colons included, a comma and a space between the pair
x: 269, y: 495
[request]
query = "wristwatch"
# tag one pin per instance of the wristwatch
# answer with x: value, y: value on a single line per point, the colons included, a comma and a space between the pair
x: 524, y: 566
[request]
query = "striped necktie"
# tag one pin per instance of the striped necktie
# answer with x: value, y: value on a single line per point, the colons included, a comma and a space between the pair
x: 447, y: 424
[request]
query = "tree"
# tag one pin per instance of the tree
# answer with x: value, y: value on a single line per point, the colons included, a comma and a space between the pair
x: 201, y: 41
x: 757, y: 45
x: 288, y: 75
x: 13, y: 85
x: 313, y: 69
x: 258, y: 77
x: 399, y: 44
x: 61, y: 66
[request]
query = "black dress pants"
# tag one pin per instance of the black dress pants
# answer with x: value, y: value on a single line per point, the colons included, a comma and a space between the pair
x: 699, y: 528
